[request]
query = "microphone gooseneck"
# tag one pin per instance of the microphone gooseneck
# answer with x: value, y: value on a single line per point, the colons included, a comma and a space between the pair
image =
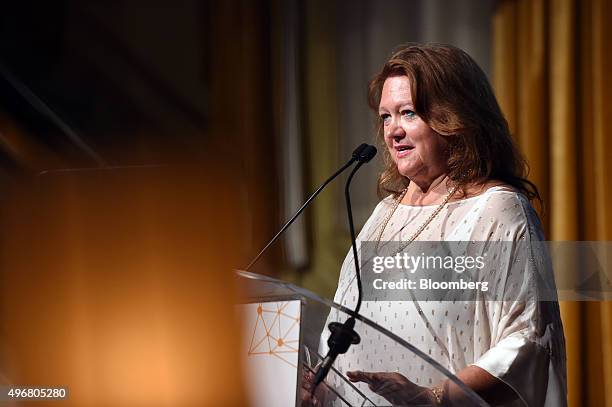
x: 366, y: 155
x: 358, y: 155
x: 343, y: 335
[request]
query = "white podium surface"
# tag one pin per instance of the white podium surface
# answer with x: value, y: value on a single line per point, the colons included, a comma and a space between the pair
x: 269, y: 351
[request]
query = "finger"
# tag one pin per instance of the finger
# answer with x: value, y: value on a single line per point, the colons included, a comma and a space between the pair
x: 380, y: 384
x: 360, y: 376
x: 306, y: 399
x: 388, y: 390
x: 385, y: 385
x: 379, y: 377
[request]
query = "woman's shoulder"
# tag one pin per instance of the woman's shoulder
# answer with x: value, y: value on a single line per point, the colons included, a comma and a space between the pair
x: 495, y: 193
x: 510, y: 210
x: 505, y: 198
x: 483, y: 188
x: 384, y: 204
x: 378, y: 213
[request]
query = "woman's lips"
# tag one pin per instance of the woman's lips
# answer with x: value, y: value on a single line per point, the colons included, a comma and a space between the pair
x: 403, y: 151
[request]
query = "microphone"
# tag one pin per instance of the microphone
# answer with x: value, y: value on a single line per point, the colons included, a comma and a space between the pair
x: 366, y: 156
x: 341, y: 338
x: 360, y: 154
x: 343, y: 335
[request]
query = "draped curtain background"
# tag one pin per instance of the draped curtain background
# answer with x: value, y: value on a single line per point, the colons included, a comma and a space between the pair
x: 550, y: 74
x: 549, y: 66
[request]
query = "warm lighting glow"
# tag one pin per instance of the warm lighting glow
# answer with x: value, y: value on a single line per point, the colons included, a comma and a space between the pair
x: 119, y: 287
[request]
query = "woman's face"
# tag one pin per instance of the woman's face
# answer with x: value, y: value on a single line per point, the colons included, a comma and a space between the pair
x: 418, y: 151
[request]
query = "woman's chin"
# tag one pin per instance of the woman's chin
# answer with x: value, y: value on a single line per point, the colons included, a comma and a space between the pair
x: 408, y: 171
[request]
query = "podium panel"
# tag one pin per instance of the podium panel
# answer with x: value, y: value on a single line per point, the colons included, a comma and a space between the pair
x: 284, y: 341
x: 271, y: 338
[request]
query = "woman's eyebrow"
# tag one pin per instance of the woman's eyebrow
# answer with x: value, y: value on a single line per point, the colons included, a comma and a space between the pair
x: 398, y: 105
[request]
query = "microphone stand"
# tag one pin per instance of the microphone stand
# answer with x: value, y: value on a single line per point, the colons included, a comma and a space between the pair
x: 357, y: 153
x: 343, y: 335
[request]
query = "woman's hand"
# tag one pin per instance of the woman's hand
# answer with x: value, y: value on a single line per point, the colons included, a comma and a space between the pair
x: 395, y: 388
x: 322, y: 396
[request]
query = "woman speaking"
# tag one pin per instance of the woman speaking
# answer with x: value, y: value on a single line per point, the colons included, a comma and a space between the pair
x: 453, y: 173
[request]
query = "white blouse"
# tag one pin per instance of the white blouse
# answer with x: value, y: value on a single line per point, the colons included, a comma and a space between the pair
x: 519, y: 342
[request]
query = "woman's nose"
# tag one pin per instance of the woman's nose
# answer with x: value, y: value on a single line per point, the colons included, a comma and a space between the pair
x: 394, y: 130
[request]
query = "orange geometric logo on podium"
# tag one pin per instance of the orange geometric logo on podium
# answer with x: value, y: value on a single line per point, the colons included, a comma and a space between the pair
x: 275, y: 332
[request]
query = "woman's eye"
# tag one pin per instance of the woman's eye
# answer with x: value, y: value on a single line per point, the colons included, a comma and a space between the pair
x: 408, y: 113
x: 385, y: 117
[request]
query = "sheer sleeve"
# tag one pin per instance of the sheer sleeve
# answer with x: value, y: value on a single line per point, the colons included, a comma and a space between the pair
x: 527, y: 350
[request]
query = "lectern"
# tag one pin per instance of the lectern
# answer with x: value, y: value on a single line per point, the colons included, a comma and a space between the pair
x: 284, y: 339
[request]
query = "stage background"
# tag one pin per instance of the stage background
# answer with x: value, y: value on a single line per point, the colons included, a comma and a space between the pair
x: 237, y: 110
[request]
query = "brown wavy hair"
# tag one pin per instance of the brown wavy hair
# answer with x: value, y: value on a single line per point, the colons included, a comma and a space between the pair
x: 453, y: 96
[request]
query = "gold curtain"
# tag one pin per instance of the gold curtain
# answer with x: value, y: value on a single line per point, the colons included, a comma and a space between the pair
x: 550, y: 65
x: 321, y: 130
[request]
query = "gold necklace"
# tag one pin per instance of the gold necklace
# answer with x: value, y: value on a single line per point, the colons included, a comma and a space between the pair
x: 421, y: 228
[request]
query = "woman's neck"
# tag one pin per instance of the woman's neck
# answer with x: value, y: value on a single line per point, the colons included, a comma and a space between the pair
x: 427, y: 194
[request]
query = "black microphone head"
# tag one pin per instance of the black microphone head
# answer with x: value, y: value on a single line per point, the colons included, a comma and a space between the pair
x: 357, y: 152
x: 367, y: 154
